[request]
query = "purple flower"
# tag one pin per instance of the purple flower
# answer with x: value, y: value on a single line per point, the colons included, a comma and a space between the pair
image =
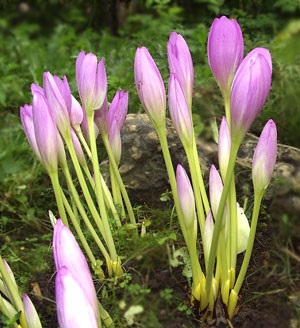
x: 27, y: 123
x: 45, y: 132
x: 118, y: 109
x: 76, y: 113
x: 91, y: 81
x: 250, y: 89
x: 74, y: 306
x: 181, y: 64
x: 225, y: 49
x: 31, y: 315
x: 186, y: 196
x: 67, y: 253
x: 215, y: 189
x: 59, y: 98
x: 179, y: 111
x: 224, y: 145
x: 150, y: 86
x: 100, y: 117
x: 115, y: 140
x: 264, y: 158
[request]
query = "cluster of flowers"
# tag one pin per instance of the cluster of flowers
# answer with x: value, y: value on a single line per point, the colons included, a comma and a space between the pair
x: 56, y: 120
x: 244, y: 83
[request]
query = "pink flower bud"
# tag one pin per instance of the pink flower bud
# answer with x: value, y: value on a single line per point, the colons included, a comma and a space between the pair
x: 224, y: 145
x: 250, y: 89
x: 73, y: 303
x: 208, y: 233
x: 67, y: 253
x: 264, y: 158
x: 179, y: 111
x: 45, y: 132
x: 27, y: 123
x: 150, y: 86
x: 59, y: 99
x: 186, y: 196
x: 215, y: 189
x: 118, y: 109
x: 31, y: 315
x: 100, y: 117
x: 181, y: 64
x: 76, y: 113
x: 225, y: 49
x: 115, y: 140
x: 91, y: 80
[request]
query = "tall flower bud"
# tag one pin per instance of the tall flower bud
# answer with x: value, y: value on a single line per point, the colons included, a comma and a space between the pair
x: 215, y: 189
x: 67, y: 253
x: 31, y: 315
x: 181, y: 64
x: 150, y: 86
x: 225, y: 49
x: 91, y: 81
x: 186, y: 196
x: 264, y: 158
x: 28, y: 127
x: 59, y: 97
x: 45, y: 132
x: 74, y: 307
x: 224, y: 145
x: 179, y: 111
x: 250, y: 89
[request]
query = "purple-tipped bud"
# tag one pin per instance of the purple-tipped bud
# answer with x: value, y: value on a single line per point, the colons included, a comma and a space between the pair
x: 118, y: 109
x: 179, y: 111
x: 264, y: 158
x: 91, y: 81
x: 250, y: 89
x: 208, y: 233
x: 115, y: 140
x: 181, y: 64
x: 31, y: 315
x: 45, y: 132
x: 59, y: 98
x: 27, y: 123
x: 76, y: 113
x: 73, y: 303
x: 150, y: 86
x: 215, y: 189
x: 224, y: 145
x: 186, y: 196
x: 5, y: 289
x: 100, y: 117
x: 67, y: 253
x: 225, y: 50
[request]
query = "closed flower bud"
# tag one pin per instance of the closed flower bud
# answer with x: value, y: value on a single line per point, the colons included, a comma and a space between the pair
x: 91, y: 81
x: 45, y: 132
x: 264, y: 158
x: 67, y: 253
x: 186, y: 196
x: 250, y: 89
x: 181, y: 64
x: 215, y: 189
x: 150, y: 86
x: 59, y: 98
x: 225, y: 49
x: 224, y: 145
x: 73, y: 303
x: 31, y: 315
x: 179, y: 111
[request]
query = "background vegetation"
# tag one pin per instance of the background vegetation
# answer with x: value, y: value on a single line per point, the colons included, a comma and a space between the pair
x: 37, y: 36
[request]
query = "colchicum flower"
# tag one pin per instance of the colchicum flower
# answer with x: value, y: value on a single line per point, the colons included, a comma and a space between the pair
x: 181, y: 64
x: 32, y: 318
x: 74, y: 306
x: 264, y: 158
x: 250, y: 89
x: 179, y: 111
x: 68, y: 254
x: 224, y: 144
x: 91, y: 81
x: 225, y: 49
x: 150, y: 86
x: 186, y: 196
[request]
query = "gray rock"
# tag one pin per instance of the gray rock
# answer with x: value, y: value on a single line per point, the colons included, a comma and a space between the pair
x: 144, y: 174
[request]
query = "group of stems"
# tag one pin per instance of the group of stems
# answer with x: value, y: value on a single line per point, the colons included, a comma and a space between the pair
x: 99, y: 211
